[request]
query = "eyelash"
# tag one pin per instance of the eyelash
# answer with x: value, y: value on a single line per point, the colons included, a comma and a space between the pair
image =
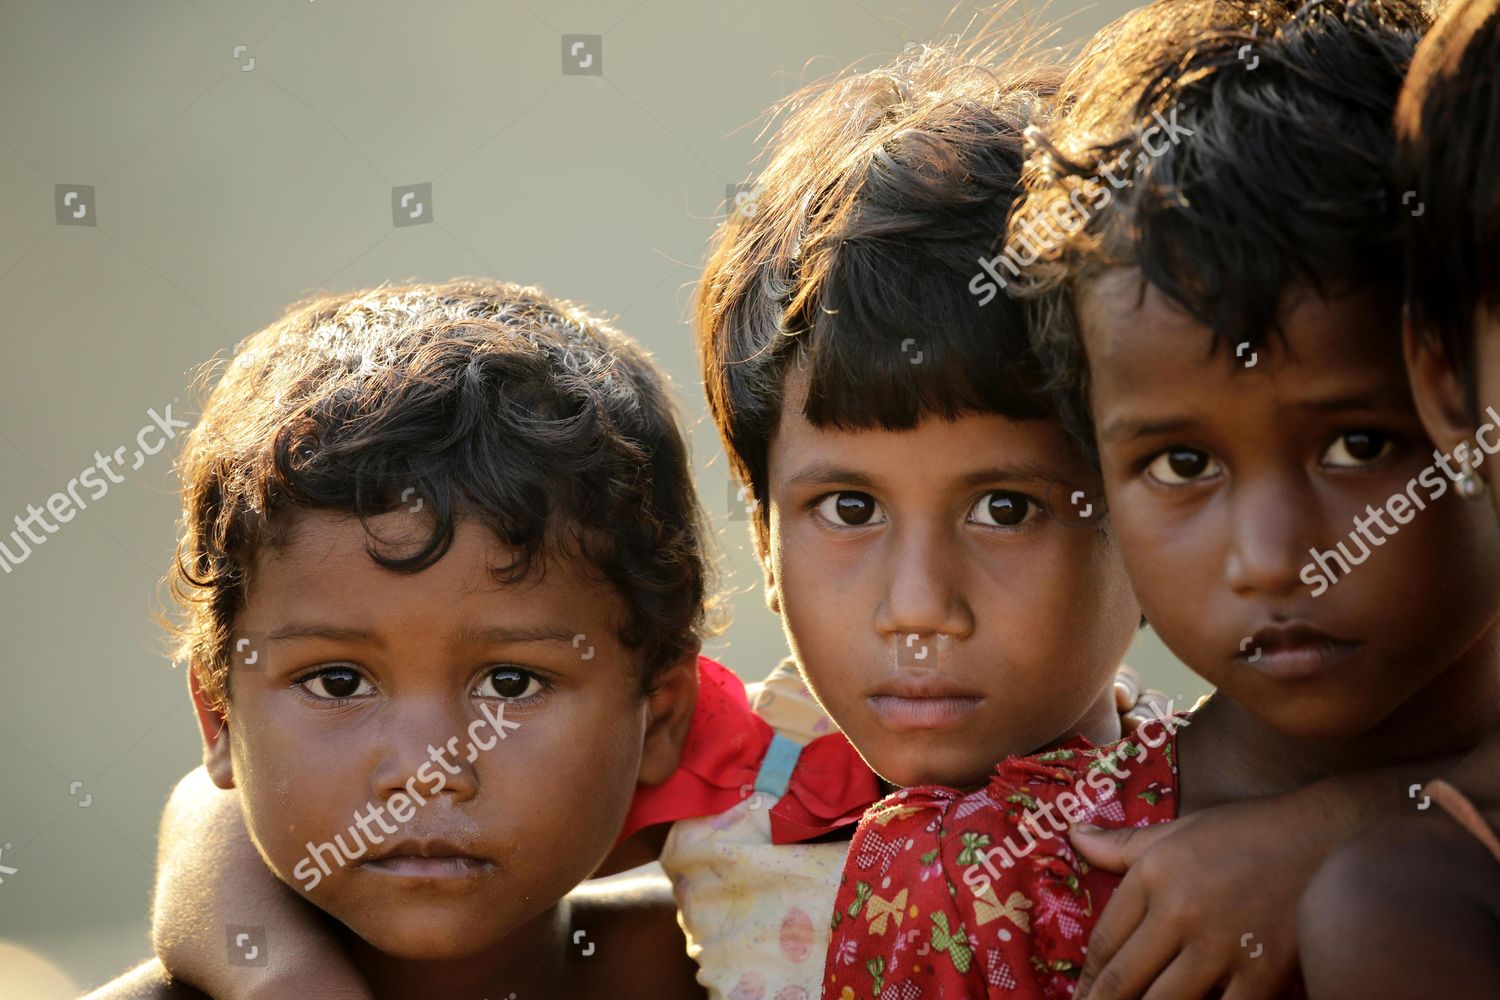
x: 1035, y: 508
x: 301, y: 684
x: 1391, y: 442
x: 326, y: 670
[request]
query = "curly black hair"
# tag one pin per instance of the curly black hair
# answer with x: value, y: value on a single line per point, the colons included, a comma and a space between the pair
x: 486, y: 400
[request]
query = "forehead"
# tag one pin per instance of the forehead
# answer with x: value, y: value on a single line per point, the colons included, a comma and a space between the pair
x: 1142, y: 346
x: 322, y: 563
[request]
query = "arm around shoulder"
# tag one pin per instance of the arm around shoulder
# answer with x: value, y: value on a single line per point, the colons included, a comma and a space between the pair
x: 147, y: 981
x: 209, y: 876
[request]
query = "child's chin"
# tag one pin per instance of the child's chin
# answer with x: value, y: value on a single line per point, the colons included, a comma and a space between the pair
x: 424, y: 936
x: 1308, y: 718
x: 908, y: 771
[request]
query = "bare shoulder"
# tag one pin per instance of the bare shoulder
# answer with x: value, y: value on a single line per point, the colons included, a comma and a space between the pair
x: 1412, y: 899
x: 625, y: 931
x: 147, y: 981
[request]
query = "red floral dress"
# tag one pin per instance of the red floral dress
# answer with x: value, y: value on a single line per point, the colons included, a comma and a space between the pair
x: 947, y: 895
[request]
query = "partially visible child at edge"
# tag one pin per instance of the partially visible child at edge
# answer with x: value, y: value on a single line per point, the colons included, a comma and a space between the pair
x: 1415, y: 905
x: 755, y: 876
x: 398, y: 516
x: 1221, y: 316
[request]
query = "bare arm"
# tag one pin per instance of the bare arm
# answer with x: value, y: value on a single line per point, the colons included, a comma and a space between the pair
x: 641, y: 952
x: 148, y: 981
x: 1197, y: 908
x: 209, y: 878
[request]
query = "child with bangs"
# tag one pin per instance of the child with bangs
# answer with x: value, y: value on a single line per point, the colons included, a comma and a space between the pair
x: 1219, y: 316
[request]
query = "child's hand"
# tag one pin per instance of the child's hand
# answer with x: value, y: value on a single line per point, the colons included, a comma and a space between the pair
x: 1207, y: 901
x: 1134, y: 705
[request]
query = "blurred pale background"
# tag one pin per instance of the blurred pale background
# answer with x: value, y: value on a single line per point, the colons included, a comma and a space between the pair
x: 241, y: 155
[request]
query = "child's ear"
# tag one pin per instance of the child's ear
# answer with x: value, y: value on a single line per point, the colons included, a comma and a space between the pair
x: 1439, y: 394
x: 669, y: 713
x: 213, y: 723
x: 773, y: 593
x: 762, y: 553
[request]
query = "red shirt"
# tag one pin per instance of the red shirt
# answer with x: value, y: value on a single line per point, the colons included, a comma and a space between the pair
x: 947, y: 895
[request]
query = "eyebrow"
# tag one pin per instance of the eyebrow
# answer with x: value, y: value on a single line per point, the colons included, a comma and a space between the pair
x: 1376, y: 400
x: 485, y: 634
x: 496, y: 635
x: 313, y: 631
x: 829, y: 472
x: 1014, y: 472
x: 1123, y: 429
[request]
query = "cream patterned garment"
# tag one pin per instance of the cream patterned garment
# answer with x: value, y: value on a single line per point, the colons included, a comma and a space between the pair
x: 756, y: 914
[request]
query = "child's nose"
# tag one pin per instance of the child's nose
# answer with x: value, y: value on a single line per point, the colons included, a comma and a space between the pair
x: 924, y: 587
x: 428, y: 757
x: 1271, y: 525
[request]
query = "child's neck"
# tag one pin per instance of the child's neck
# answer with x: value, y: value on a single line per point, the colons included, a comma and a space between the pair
x: 1228, y: 754
x: 530, y: 961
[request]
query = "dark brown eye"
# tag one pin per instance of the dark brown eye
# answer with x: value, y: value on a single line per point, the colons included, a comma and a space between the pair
x: 1357, y: 448
x: 509, y: 683
x: 1002, y: 509
x: 1178, y: 466
x: 1187, y: 463
x: 336, y: 683
x: 851, y: 509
